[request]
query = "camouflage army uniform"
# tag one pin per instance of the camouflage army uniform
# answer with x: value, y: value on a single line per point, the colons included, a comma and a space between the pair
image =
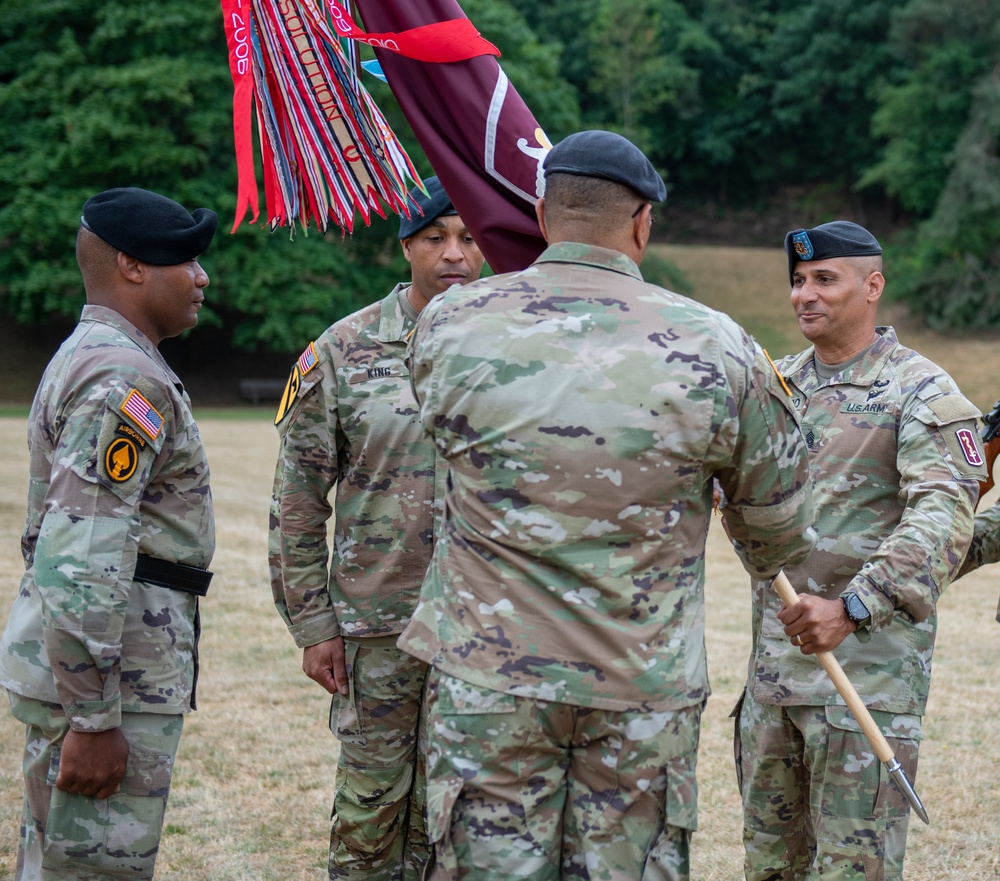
x: 117, y: 469
x: 583, y: 414
x: 895, y: 459
x: 985, y: 547
x: 350, y: 421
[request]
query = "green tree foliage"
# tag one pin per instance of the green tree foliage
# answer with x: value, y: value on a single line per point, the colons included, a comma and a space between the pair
x: 94, y: 95
x: 735, y: 99
x: 941, y: 123
x: 950, y: 268
x: 640, y: 54
x: 944, y: 49
x: 136, y: 93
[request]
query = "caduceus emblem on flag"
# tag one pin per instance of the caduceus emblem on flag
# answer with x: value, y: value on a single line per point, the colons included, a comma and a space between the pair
x: 327, y: 151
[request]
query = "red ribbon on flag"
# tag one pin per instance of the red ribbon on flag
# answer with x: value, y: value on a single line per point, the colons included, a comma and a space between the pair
x: 440, y: 41
x: 237, y: 25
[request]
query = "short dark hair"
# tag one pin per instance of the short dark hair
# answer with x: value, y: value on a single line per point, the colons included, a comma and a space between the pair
x: 571, y: 196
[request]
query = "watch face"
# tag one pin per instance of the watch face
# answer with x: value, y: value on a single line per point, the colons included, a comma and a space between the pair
x: 856, y: 609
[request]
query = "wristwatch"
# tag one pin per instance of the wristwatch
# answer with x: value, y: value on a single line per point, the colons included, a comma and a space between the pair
x: 856, y: 610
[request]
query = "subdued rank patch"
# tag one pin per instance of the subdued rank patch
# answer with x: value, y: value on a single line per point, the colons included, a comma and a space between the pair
x: 307, y: 360
x: 970, y: 449
x: 803, y: 247
x: 144, y: 414
x: 121, y: 459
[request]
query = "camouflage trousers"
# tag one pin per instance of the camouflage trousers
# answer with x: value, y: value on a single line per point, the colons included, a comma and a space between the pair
x: 79, y: 838
x: 378, y: 831
x: 525, y: 789
x: 817, y: 802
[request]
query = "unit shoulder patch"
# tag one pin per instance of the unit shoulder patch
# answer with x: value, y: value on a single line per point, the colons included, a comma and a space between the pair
x: 307, y: 361
x: 121, y: 459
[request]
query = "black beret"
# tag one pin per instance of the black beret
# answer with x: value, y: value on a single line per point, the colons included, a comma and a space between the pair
x: 840, y: 238
x: 434, y: 204
x: 608, y: 156
x: 148, y: 226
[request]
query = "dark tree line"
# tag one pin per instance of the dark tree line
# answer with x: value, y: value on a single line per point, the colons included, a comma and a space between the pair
x: 734, y: 100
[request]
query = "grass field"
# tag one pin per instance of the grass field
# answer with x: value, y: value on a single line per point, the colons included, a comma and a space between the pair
x: 255, y: 772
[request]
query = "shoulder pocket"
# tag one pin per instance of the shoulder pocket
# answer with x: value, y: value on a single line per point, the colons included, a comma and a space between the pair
x: 955, y: 420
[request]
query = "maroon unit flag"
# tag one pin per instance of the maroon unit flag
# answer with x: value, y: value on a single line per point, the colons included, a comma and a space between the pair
x: 478, y: 134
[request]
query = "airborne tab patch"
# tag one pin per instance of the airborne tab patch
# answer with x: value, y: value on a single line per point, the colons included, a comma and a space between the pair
x: 144, y: 414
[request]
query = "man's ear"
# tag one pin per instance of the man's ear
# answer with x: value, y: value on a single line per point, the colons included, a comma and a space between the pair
x: 405, y: 243
x: 642, y: 227
x: 130, y: 268
x: 876, y: 284
x: 540, y: 215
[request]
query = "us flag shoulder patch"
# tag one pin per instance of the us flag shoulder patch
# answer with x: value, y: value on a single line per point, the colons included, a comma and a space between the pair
x: 308, y: 359
x: 142, y: 413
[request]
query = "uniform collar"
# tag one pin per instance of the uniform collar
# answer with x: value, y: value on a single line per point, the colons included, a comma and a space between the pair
x: 590, y: 255
x: 394, y: 324
x: 801, y: 369
x: 104, y: 315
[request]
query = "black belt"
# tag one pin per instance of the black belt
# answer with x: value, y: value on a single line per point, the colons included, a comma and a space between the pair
x: 176, y: 576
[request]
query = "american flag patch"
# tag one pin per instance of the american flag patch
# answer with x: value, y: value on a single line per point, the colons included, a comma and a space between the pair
x: 308, y: 359
x: 144, y: 413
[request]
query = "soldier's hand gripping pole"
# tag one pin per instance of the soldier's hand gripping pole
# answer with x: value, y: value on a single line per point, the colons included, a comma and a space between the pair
x: 857, y: 707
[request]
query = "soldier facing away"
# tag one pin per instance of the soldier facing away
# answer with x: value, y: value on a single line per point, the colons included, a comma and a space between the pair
x: 99, y: 655
x: 583, y: 415
x: 349, y: 431
x: 895, y: 462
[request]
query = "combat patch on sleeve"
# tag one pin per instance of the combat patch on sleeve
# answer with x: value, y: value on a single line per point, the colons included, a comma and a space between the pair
x: 120, y: 459
x: 307, y: 361
x: 142, y: 413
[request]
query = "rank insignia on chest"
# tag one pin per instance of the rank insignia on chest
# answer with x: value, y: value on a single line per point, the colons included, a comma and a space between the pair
x: 142, y: 413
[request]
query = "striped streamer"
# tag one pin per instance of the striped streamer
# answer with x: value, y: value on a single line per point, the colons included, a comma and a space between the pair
x: 327, y: 152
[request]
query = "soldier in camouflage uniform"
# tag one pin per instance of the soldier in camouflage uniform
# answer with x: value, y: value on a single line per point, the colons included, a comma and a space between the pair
x: 583, y: 414
x: 99, y: 655
x: 348, y: 425
x: 895, y: 459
